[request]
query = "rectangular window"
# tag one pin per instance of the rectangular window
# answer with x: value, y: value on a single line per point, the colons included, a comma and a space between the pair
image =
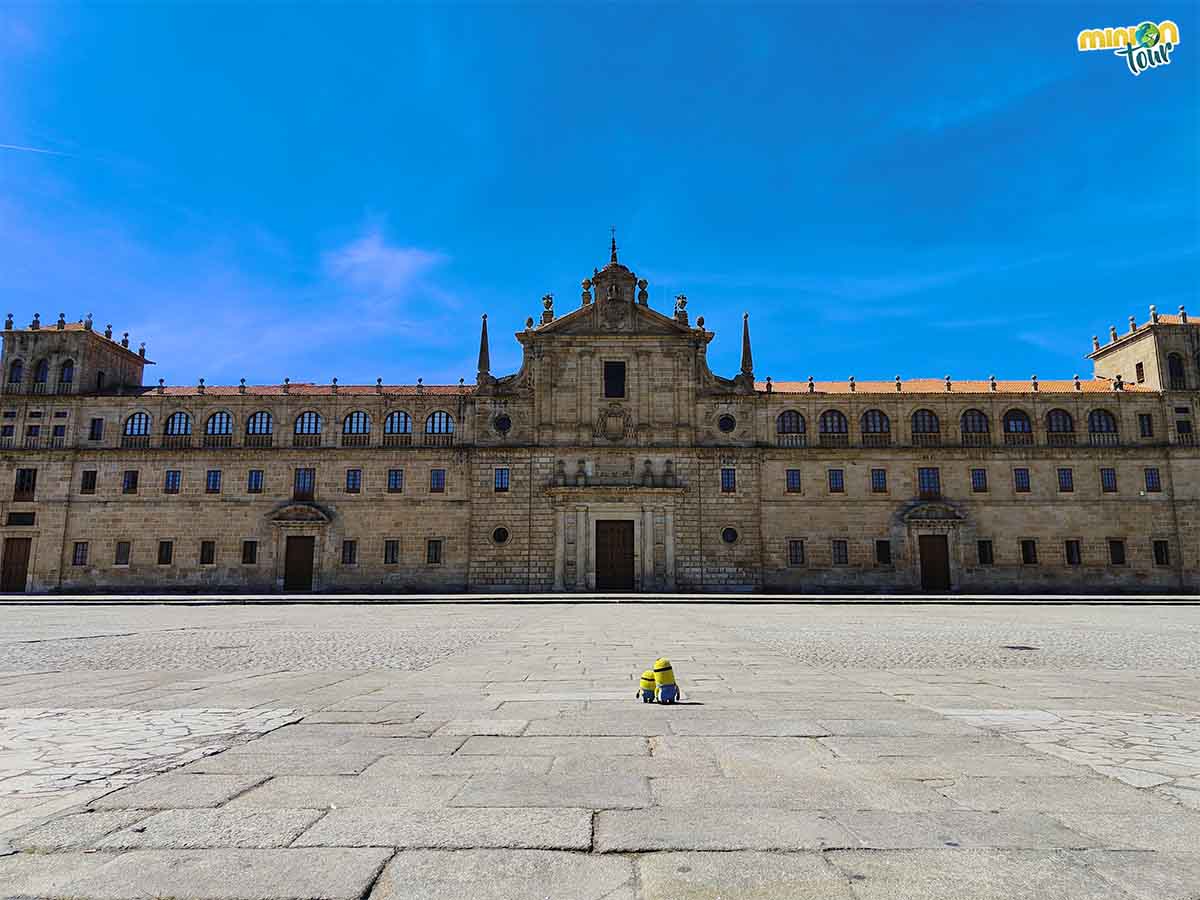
x: 979, y: 481
x: 96, y: 430
x: 1074, y: 557
x: 1066, y: 481
x: 166, y: 549
x: 212, y: 481
x: 395, y: 481
x: 841, y: 553
x: 1153, y: 484
x: 249, y: 553
x: 25, y: 485
x: 1116, y: 552
x: 20, y: 518
x: 349, y: 553
x: 1021, y: 481
x: 793, y: 481
x: 87, y: 483
x: 795, y: 553
x: 172, y: 481
x: 728, y: 481
x: 614, y: 379
x: 929, y: 482
x: 883, y: 553
x: 1108, y: 481
x: 60, y: 431
x: 305, y: 484
x: 433, y: 552
x: 1162, y: 553
x: 437, y: 481
x: 837, y: 481
x: 33, y: 430
x: 6, y: 431
x: 879, y: 481
x: 254, y: 481
x: 984, y: 548
x: 79, y: 554
x: 1146, y: 425
x: 1139, y: 372
x: 391, y: 553
x: 501, y: 481
x: 1029, y: 552
x: 129, y: 481
x: 208, y: 553
x: 123, y: 553
x: 353, y: 481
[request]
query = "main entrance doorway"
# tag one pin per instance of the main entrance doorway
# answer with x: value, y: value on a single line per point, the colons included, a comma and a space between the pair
x: 935, y: 562
x: 15, y: 567
x: 614, y: 555
x: 298, y: 564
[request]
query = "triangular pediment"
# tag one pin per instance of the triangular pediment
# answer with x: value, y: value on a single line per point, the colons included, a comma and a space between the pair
x: 605, y: 317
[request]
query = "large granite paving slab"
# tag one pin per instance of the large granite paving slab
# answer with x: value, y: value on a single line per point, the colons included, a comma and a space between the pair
x: 740, y: 876
x: 449, y: 829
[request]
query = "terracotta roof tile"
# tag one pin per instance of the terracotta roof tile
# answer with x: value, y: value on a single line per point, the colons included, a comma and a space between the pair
x: 938, y: 386
x: 307, y: 389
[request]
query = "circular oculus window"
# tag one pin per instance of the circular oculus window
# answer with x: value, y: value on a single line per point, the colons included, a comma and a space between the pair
x: 503, y: 424
x: 500, y: 535
x: 729, y: 535
x: 727, y: 423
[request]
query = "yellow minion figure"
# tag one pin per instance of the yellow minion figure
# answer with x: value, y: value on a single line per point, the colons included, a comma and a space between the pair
x: 646, y: 686
x: 664, y: 680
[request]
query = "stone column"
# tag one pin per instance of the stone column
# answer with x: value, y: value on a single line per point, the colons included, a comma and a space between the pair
x: 669, y: 547
x: 560, y: 546
x: 647, y: 548
x: 581, y: 541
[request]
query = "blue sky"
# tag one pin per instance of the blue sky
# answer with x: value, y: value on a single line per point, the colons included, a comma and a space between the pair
x: 266, y: 191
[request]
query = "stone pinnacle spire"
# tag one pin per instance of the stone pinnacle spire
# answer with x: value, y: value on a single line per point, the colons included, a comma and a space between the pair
x: 485, y: 362
x: 613, y: 256
x: 747, y: 358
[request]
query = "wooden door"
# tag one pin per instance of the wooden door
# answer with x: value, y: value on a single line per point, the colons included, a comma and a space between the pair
x: 614, y: 556
x: 15, y: 567
x: 935, y: 562
x: 298, y: 564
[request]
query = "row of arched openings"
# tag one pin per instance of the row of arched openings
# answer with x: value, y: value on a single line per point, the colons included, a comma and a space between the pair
x: 926, y: 421
x: 41, y: 372
x: 310, y: 422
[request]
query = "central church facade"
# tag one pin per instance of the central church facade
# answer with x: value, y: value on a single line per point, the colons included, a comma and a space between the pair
x: 613, y: 460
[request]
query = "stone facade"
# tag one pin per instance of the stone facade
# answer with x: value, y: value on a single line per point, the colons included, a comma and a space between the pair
x: 614, y: 459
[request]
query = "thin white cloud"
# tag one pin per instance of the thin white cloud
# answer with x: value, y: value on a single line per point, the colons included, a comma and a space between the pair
x: 371, y: 264
x: 33, y: 150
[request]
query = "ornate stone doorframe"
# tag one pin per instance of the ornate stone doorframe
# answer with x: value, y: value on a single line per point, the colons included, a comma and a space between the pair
x: 933, y: 517
x: 584, y: 506
x: 300, y: 519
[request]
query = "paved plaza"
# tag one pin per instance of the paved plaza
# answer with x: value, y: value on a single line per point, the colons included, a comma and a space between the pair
x: 852, y: 752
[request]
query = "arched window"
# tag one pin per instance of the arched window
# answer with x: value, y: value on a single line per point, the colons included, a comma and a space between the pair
x: 925, y: 421
x: 16, y: 372
x: 357, y: 422
x: 1016, y: 421
x: 41, y: 372
x: 1175, y: 374
x: 875, y: 421
x: 1101, y: 421
x: 137, y: 425
x: 975, y: 421
x: 260, y: 423
x: 178, y: 424
x: 397, y: 422
x: 1059, y: 421
x: 833, y: 422
x: 439, y: 423
x: 308, y: 423
x: 219, y: 423
x: 789, y: 422
x: 66, y: 375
